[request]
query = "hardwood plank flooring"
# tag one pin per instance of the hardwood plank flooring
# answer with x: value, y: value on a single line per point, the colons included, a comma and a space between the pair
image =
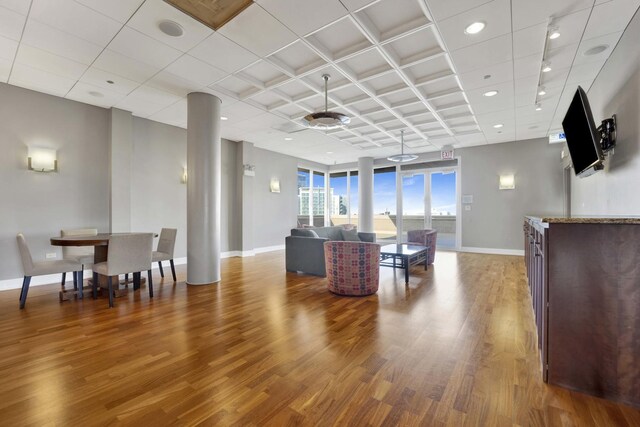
x: 457, y: 347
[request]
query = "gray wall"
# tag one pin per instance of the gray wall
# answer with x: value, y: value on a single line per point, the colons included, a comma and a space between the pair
x: 496, y: 216
x: 616, y: 90
x: 38, y: 204
x: 274, y: 214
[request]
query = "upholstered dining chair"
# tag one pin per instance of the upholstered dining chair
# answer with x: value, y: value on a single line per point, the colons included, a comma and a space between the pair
x: 81, y: 254
x: 353, y: 268
x: 127, y: 253
x: 424, y: 238
x: 164, y: 252
x: 41, y: 268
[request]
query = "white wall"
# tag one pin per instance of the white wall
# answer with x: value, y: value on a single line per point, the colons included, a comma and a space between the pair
x: 38, y: 204
x: 616, y: 90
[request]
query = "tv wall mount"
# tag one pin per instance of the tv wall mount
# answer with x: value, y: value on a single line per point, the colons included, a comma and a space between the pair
x: 607, y: 131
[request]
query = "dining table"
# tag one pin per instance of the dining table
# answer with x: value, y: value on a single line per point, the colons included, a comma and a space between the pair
x: 100, y: 242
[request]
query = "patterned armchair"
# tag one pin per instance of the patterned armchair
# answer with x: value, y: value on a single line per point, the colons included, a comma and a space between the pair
x: 353, y: 268
x: 425, y: 238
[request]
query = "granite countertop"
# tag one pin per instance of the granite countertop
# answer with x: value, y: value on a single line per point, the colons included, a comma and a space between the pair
x: 586, y: 219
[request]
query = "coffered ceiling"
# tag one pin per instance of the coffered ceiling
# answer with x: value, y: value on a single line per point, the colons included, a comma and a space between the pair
x: 394, y: 65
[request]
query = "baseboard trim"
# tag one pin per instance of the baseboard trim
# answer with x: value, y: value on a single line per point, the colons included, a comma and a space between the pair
x: 493, y: 251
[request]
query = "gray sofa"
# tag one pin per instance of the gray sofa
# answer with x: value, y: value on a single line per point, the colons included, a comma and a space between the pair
x: 305, y: 253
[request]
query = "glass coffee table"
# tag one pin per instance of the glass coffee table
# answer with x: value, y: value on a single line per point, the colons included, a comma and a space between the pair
x: 404, y: 256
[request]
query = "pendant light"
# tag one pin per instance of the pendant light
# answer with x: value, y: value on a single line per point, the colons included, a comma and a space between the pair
x: 402, y: 158
x: 326, y: 120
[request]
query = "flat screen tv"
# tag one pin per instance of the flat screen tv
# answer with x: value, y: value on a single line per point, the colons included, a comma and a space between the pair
x: 583, y: 140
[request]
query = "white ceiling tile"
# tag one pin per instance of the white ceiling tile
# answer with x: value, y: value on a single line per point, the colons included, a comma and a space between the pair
x: 298, y: 58
x: 139, y: 107
x: 76, y: 19
x: 239, y: 111
x: 529, y: 41
x: 222, y: 53
x: 354, y: 5
x: 190, y: 68
x: 8, y: 48
x: 175, y: 114
x: 584, y: 72
x: 143, y: 48
x: 271, y: 36
x: 42, y: 60
x: 59, y: 43
x: 487, y: 104
x: 154, y: 96
x: 226, y: 99
x: 98, y: 96
x: 100, y: 78
x: 152, y: 12
x: 610, y: 17
x: 528, y: 13
x: 5, y: 69
x: 169, y: 82
x: 20, y: 6
x: 41, y: 81
x: 483, y: 54
x: 608, y: 40
x: 339, y: 39
x: 11, y: 24
x: 442, y: 9
x: 289, y: 12
x: 115, y: 63
x: 389, y: 18
x: 120, y: 10
x: 496, y: 15
x: 491, y: 75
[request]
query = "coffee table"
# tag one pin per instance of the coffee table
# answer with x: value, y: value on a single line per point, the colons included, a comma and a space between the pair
x: 404, y: 256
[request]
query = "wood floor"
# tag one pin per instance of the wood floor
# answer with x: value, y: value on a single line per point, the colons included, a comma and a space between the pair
x: 454, y: 348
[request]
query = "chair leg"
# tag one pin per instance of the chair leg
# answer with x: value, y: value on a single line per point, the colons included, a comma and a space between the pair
x: 173, y: 270
x: 25, y: 290
x: 160, y: 267
x: 150, y: 280
x: 136, y: 281
x: 75, y: 281
x: 126, y: 278
x: 110, y: 285
x: 78, y: 283
x: 64, y: 279
x: 95, y: 285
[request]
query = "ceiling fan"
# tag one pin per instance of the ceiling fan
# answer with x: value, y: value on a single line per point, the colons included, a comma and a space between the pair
x: 326, y: 120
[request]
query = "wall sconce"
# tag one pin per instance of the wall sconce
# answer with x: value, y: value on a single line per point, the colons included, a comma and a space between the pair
x: 274, y: 186
x: 249, y: 170
x: 507, y: 182
x: 183, y: 178
x: 42, y: 159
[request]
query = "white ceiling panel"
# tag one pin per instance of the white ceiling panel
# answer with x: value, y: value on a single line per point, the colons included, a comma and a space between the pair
x: 175, y: 114
x: 442, y: 9
x: 222, y: 53
x: 143, y: 48
x: 20, y: 6
x: 607, y: 41
x: 8, y: 48
x: 483, y: 54
x: 120, y: 10
x: 616, y: 15
x: 496, y: 15
x: 60, y: 43
x: 169, y: 82
x: 5, y: 70
x: 190, y: 68
x: 267, y: 34
x: 289, y: 12
x: 74, y: 18
x: 487, y: 76
x: 99, y: 78
x: 152, y: 12
x: 11, y: 24
x: 528, y: 13
x: 41, y: 81
x: 99, y: 96
x: 42, y: 60
x: 121, y: 65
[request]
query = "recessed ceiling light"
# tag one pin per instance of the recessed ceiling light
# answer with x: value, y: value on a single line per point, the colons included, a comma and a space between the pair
x: 498, y: 126
x: 224, y: 118
x: 288, y: 139
x: 554, y: 33
x: 538, y: 107
x: 542, y: 92
x: 171, y: 28
x: 474, y: 28
x: 490, y: 93
x: 96, y: 94
x: 546, y: 67
x: 596, y: 50
x: 329, y: 152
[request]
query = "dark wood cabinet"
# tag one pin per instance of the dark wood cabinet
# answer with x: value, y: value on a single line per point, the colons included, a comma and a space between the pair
x: 584, y: 278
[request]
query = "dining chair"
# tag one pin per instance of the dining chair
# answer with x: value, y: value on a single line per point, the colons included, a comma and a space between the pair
x: 164, y: 252
x: 41, y: 268
x: 81, y: 254
x: 127, y: 253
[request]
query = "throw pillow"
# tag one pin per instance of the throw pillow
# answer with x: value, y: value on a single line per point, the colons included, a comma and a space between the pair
x: 350, y: 236
x: 307, y: 233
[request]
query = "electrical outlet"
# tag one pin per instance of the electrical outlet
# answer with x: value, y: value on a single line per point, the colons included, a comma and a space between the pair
x: 50, y: 255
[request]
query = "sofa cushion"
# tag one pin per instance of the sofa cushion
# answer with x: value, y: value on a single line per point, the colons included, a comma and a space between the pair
x: 350, y: 235
x: 307, y: 232
x: 331, y: 233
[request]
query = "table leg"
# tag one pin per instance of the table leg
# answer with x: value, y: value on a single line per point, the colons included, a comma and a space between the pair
x: 426, y: 260
x: 406, y: 269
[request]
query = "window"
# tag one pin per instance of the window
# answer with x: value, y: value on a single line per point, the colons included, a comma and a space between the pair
x: 338, y: 198
x: 353, y: 197
x: 319, y: 199
x: 384, y: 203
x: 304, y: 203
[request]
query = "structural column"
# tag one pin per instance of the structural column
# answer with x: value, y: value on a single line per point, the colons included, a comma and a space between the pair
x: 203, y: 188
x: 120, y: 168
x: 365, y: 194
